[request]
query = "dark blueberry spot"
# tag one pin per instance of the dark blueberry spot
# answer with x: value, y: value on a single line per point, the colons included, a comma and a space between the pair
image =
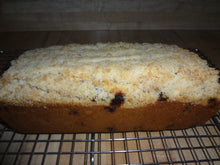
x: 111, y: 109
x: 162, y: 97
x: 118, y: 100
x: 73, y: 112
x: 169, y: 126
x: 93, y: 100
x: 110, y: 129
x: 187, y: 108
x: 4, y: 108
x: 176, y: 73
x: 212, y: 102
x: 82, y: 124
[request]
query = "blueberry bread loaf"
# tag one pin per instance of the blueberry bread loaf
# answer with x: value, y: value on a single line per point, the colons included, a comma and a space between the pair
x: 108, y: 87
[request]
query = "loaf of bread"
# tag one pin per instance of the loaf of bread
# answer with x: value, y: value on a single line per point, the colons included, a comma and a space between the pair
x: 108, y: 87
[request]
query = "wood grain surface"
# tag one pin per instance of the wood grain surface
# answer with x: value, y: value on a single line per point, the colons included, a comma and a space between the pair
x: 208, y: 41
x: 41, y: 15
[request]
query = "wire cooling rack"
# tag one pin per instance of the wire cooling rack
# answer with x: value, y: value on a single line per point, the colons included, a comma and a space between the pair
x: 197, y: 145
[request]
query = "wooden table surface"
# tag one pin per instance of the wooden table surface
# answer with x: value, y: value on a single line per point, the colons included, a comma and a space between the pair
x: 192, y: 146
x: 207, y: 41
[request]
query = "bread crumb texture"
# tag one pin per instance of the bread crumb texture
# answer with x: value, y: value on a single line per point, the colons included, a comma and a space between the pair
x: 89, y: 75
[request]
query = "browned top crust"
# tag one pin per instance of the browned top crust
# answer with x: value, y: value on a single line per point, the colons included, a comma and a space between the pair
x: 125, y: 74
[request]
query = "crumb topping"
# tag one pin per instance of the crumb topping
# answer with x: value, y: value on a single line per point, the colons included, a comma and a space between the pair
x: 93, y: 74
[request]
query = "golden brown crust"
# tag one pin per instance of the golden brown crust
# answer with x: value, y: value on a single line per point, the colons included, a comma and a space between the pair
x: 92, y: 75
x: 68, y: 119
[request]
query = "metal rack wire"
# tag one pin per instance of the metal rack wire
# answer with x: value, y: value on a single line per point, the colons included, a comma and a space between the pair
x: 197, y: 145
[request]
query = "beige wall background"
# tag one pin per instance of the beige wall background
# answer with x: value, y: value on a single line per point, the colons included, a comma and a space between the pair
x: 44, y: 15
